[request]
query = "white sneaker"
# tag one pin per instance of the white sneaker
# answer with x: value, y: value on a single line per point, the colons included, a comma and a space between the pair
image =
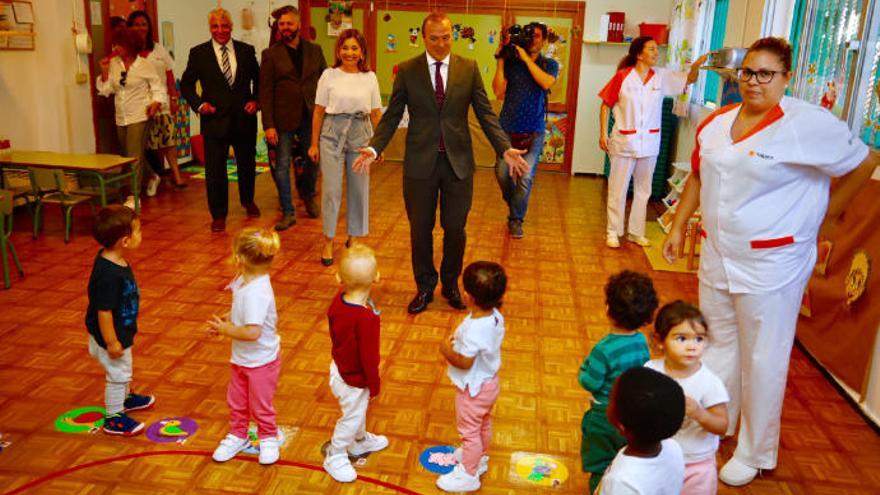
x: 339, y: 467
x: 458, y: 481
x: 484, y: 461
x: 269, y: 450
x: 229, y: 447
x: 735, y: 473
x: 639, y: 239
x: 370, y: 443
x: 153, y: 185
x: 612, y: 241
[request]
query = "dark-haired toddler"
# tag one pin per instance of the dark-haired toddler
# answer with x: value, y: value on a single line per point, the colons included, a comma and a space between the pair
x: 630, y: 301
x: 111, y: 317
x: 474, y: 356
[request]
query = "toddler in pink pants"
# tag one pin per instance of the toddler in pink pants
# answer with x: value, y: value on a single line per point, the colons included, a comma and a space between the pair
x: 255, y: 347
x: 474, y: 356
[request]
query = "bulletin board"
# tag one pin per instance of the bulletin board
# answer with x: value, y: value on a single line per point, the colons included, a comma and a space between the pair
x: 327, y: 42
x: 395, y: 43
x: 16, y: 25
x: 558, y: 48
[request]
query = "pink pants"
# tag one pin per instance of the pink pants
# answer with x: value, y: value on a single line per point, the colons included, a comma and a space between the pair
x: 250, y: 395
x: 700, y: 478
x: 474, y: 421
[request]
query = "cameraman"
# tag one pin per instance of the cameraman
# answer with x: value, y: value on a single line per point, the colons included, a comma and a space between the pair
x: 522, y: 79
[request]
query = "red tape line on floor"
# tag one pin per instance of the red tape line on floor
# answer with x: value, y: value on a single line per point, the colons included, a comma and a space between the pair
x: 202, y: 453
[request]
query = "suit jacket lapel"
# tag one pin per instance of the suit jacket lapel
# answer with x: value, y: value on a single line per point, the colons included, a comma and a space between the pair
x: 307, y: 59
x: 238, y: 59
x: 425, y: 75
x: 451, y: 75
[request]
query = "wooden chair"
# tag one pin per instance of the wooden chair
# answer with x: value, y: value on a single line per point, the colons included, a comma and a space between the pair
x: 49, y: 187
x: 5, y: 236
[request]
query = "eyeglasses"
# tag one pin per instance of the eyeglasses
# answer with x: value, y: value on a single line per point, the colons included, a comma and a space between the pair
x: 762, y: 76
x: 122, y: 78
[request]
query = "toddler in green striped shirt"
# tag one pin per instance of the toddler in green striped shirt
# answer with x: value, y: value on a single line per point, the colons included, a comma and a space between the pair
x: 630, y: 301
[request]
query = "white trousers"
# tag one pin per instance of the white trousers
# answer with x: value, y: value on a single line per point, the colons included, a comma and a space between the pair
x: 641, y: 170
x: 117, y: 376
x: 750, y: 340
x: 353, y: 401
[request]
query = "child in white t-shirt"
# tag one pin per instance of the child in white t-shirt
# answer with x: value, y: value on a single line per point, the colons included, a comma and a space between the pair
x: 681, y: 333
x: 255, y: 346
x: 647, y: 408
x: 474, y: 356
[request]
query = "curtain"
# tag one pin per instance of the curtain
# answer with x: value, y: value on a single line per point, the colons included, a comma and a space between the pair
x: 687, y: 35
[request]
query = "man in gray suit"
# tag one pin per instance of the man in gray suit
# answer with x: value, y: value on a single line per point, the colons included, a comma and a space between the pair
x: 437, y: 88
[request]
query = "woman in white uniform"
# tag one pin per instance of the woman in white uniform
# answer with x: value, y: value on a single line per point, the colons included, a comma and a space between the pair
x: 761, y: 173
x: 635, y: 95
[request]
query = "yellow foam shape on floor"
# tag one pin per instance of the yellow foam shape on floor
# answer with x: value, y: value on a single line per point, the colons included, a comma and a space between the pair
x: 654, y: 252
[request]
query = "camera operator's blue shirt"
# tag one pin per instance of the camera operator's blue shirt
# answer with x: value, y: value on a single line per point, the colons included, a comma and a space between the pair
x: 525, y: 101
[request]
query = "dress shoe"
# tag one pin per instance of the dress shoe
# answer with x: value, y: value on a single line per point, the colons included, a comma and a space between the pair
x: 287, y: 221
x: 312, y: 207
x: 218, y: 225
x: 252, y: 210
x: 420, y: 302
x: 453, y: 296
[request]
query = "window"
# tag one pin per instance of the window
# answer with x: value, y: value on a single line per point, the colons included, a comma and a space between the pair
x: 716, y: 41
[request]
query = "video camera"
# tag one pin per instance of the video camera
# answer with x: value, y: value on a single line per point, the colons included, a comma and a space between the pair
x: 521, y: 36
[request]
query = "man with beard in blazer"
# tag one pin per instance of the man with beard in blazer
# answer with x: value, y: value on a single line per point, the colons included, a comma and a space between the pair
x: 227, y: 106
x: 289, y: 76
x: 437, y: 88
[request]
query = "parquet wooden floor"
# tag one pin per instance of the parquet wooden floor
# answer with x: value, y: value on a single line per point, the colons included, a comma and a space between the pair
x: 554, y: 310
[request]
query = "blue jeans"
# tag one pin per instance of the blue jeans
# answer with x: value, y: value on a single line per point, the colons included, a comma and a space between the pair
x: 516, y: 193
x: 305, y: 182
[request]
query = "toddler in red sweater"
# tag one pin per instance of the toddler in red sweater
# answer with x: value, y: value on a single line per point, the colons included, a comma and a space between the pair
x: 354, y: 372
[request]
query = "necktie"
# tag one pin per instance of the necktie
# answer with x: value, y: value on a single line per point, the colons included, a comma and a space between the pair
x: 227, y: 69
x: 440, y: 97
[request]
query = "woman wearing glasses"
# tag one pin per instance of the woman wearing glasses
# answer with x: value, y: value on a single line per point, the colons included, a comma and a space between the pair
x: 635, y: 94
x: 138, y: 94
x: 761, y: 174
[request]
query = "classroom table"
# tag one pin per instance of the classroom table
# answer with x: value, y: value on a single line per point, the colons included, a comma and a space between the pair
x: 100, y: 166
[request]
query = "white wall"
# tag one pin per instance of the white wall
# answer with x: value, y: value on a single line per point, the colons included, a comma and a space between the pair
x: 42, y: 106
x: 598, y: 64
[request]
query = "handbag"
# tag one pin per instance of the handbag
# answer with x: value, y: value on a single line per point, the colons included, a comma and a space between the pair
x: 522, y: 140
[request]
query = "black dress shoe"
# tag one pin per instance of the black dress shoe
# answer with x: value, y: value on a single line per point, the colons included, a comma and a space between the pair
x: 312, y: 208
x: 453, y: 296
x: 252, y: 210
x: 218, y: 225
x: 420, y: 302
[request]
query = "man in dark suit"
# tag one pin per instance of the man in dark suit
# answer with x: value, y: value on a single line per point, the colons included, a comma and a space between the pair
x: 437, y: 88
x: 228, y: 73
x: 289, y: 76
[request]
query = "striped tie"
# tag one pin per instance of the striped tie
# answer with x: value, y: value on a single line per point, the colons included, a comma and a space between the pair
x: 227, y: 69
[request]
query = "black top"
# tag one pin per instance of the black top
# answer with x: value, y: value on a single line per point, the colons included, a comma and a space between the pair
x: 296, y: 56
x: 113, y: 288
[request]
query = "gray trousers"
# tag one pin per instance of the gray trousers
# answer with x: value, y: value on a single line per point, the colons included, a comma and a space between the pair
x: 133, y: 143
x: 117, y: 376
x: 342, y: 135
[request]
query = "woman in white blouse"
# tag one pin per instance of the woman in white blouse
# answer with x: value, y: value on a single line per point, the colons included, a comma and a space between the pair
x: 160, y: 133
x: 138, y: 94
x: 347, y: 107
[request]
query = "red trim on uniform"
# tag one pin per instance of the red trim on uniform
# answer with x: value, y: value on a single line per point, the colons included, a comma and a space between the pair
x: 772, y: 243
x: 772, y: 116
x: 654, y: 131
x: 611, y: 92
x: 626, y: 131
x: 650, y: 75
x: 695, y: 156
